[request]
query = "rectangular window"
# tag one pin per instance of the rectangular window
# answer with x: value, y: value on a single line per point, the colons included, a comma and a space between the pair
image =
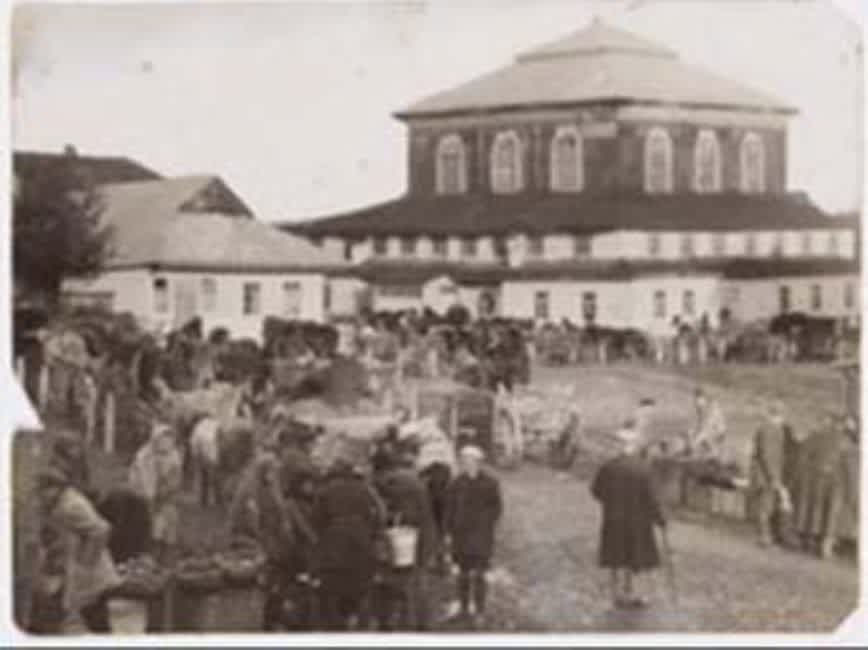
x: 806, y: 243
x: 541, y: 305
x: 833, y: 243
x: 209, y: 295
x: 816, y: 297
x: 252, y: 298
x: 440, y: 247
x: 654, y: 244
x: 408, y: 246
x: 400, y: 291
x: 468, y: 247
x: 718, y: 244
x: 292, y: 296
x: 750, y: 244
x: 381, y: 246
x: 687, y: 247
x: 348, y: 251
x: 688, y: 303
x: 784, y: 300
x: 161, y: 295
x: 581, y: 246
x: 535, y: 246
x: 849, y: 296
x: 589, y: 306
x: 659, y: 304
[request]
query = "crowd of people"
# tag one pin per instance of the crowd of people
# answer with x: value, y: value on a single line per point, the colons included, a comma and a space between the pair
x: 326, y: 532
x: 334, y: 537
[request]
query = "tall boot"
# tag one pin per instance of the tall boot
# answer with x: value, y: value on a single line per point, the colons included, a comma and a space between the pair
x: 464, y: 592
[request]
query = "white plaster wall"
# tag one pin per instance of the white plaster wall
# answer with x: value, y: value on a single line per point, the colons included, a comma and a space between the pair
x: 759, y: 299
x: 130, y: 290
x: 363, y: 250
x: 345, y: 292
x: 640, y: 300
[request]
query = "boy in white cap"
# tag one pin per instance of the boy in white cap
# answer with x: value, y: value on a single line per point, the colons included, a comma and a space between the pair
x: 473, y: 508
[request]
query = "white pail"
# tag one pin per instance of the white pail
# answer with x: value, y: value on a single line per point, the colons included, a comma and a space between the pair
x: 403, y: 540
x: 128, y: 616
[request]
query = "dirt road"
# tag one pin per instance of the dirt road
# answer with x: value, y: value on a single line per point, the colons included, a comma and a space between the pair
x: 545, y: 578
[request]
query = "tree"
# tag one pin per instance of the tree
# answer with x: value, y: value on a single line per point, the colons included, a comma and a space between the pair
x: 56, y: 230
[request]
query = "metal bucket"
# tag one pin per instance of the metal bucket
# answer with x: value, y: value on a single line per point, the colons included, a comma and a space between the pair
x: 403, y: 541
x: 127, y: 616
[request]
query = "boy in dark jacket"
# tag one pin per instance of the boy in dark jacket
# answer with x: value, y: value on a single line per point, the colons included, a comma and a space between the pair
x: 473, y: 509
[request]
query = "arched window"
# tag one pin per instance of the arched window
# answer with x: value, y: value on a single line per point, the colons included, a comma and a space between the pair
x: 658, y: 161
x: 706, y: 163
x: 506, y: 171
x: 567, y: 160
x: 451, y: 166
x: 752, y: 159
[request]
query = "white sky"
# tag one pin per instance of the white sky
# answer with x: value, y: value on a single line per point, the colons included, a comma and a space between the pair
x: 291, y: 104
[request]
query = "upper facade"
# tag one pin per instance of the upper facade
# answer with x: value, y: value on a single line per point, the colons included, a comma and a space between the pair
x: 600, y: 111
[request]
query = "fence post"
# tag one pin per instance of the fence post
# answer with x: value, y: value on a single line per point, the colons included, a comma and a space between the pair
x: 42, y: 395
x: 109, y: 428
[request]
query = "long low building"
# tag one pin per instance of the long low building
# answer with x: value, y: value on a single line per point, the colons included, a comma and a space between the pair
x: 599, y: 178
x: 189, y: 246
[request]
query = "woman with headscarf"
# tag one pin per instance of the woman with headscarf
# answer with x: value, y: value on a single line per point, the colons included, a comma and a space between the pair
x: 347, y: 517
x: 69, y: 456
x: 156, y: 475
x: 259, y: 513
x: 77, y: 571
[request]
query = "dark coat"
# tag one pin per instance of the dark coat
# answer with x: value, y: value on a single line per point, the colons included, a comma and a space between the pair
x: 626, y: 492
x: 473, y: 508
x: 346, y: 518
x: 767, y: 462
x: 406, y: 498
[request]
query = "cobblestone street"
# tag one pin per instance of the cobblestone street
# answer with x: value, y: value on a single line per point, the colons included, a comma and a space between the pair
x: 546, y: 579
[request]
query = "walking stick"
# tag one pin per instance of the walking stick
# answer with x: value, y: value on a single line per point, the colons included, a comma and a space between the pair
x: 669, y: 564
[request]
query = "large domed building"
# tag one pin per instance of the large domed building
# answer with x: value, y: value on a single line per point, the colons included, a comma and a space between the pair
x: 598, y: 177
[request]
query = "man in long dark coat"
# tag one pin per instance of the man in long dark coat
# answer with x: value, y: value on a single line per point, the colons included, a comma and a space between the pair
x: 767, y: 468
x: 625, y: 490
x: 347, y: 517
x: 474, y: 507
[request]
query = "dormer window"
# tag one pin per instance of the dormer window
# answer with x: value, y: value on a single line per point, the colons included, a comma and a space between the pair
x: 468, y: 247
x: 687, y: 245
x: 706, y: 163
x: 381, y: 246
x: 654, y: 244
x: 658, y: 161
x: 451, y: 166
x: 535, y: 246
x: 567, y: 160
x: 752, y: 162
x: 408, y: 246
x: 506, y: 168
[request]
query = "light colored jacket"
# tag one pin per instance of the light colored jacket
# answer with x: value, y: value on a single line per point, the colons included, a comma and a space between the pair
x: 88, y: 570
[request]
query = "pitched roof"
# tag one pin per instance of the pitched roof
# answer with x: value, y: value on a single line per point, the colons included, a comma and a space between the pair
x: 197, y: 222
x: 97, y: 170
x: 599, y: 63
x: 479, y: 214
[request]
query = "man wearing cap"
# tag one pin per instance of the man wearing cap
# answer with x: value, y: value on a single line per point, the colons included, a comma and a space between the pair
x: 624, y: 489
x: 474, y: 507
x: 766, y: 469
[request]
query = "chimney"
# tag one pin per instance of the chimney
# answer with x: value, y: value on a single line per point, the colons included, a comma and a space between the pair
x: 70, y: 151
